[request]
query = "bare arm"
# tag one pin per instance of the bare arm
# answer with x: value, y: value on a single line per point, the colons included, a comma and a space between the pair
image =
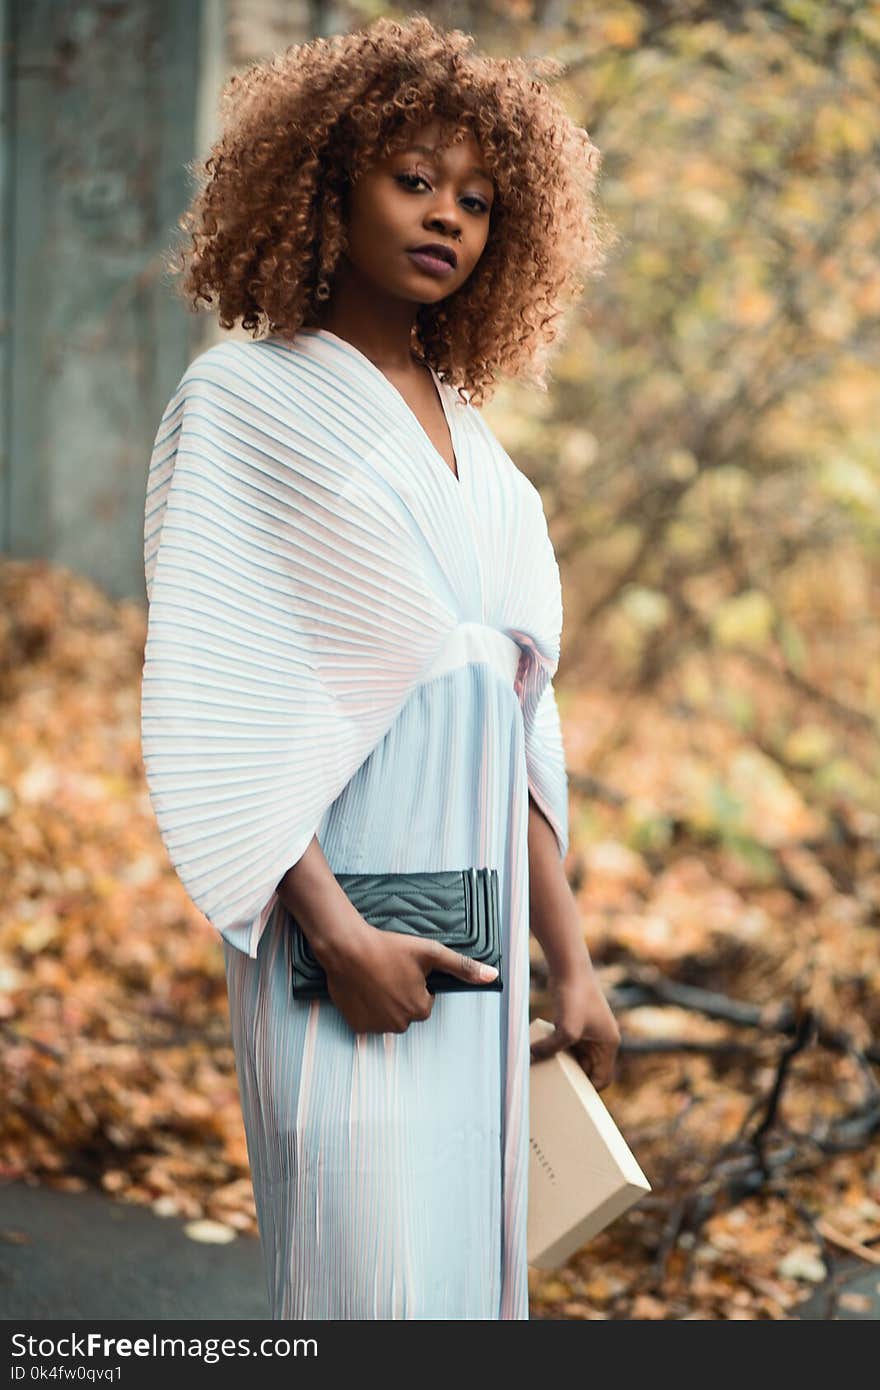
x: 553, y: 913
x: 377, y: 979
x: 313, y: 896
x: 584, y: 1022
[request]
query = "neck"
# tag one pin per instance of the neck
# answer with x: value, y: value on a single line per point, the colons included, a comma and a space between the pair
x: 378, y: 325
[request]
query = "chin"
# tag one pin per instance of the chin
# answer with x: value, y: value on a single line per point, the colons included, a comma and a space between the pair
x: 432, y: 291
x: 417, y: 296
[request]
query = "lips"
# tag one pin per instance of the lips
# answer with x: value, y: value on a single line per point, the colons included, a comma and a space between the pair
x: 438, y: 251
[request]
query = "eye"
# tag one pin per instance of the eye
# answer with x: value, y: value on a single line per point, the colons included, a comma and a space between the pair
x: 480, y: 205
x: 402, y: 177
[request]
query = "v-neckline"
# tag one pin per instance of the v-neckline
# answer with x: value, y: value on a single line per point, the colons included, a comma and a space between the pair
x: 455, y: 477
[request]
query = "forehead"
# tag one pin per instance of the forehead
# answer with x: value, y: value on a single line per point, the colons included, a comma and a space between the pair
x: 438, y: 134
x: 445, y: 145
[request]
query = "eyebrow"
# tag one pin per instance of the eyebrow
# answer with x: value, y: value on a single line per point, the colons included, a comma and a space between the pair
x: 474, y: 169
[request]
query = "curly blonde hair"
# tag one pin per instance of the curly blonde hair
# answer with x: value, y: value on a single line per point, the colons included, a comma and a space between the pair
x: 267, y: 226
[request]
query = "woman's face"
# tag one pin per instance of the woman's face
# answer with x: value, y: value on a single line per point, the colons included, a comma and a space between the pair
x: 426, y: 193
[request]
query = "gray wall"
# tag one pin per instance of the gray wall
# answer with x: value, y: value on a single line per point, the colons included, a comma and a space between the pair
x: 101, y: 108
x: 99, y: 105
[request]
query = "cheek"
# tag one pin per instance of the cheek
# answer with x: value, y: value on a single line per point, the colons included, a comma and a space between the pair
x: 479, y: 245
x: 373, y: 220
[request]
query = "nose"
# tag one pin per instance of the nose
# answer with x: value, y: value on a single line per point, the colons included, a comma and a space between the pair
x: 447, y: 227
x: 445, y: 218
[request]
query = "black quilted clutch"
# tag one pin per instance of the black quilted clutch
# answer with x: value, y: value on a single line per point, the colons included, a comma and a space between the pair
x: 458, y: 907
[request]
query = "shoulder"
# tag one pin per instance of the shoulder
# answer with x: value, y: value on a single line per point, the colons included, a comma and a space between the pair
x: 226, y: 367
x: 258, y: 408
x: 249, y: 382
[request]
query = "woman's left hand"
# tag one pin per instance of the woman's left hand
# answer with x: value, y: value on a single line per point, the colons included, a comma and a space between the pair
x: 584, y: 1024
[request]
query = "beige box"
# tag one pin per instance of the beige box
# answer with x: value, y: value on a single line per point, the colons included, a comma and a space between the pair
x: 582, y: 1173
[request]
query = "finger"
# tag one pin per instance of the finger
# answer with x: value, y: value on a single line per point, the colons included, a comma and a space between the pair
x: 601, y: 1075
x: 442, y: 957
x: 545, y: 1047
x: 427, y: 1006
x: 598, y: 1063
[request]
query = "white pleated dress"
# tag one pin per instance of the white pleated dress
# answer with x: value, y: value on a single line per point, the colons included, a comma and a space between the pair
x: 347, y: 641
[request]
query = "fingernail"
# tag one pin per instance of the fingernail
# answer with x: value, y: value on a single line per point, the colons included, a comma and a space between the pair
x: 488, y: 972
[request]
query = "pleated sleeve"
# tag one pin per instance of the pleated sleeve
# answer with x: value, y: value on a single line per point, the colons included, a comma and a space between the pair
x: 545, y: 764
x: 544, y: 750
x: 290, y: 615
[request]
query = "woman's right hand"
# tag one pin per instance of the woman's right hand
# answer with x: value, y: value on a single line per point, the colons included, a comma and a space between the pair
x: 376, y: 978
x: 378, y: 982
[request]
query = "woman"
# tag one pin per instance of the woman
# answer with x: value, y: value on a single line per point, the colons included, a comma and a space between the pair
x: 354, y: 622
